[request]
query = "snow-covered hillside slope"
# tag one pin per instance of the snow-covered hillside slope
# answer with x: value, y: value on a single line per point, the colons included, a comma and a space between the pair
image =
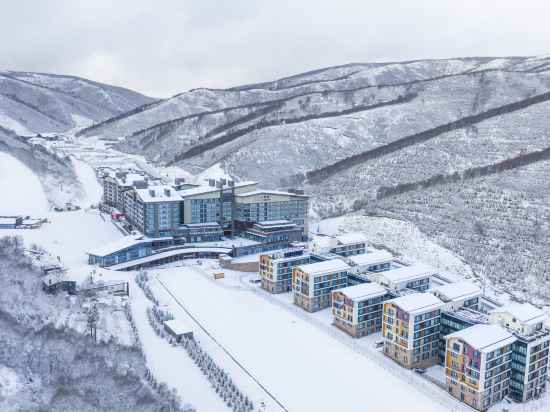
x: 40, y: 103
x: 404, y: 140
x: 56, y: 174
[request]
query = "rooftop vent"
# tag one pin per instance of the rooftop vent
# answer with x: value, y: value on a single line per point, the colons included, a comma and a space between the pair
x: 211, y: 183
x: 167, y: 192
x: 151, y: 193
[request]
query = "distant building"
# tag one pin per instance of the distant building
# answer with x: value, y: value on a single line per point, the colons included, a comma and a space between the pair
x: 478, y: 364
x: 410, y: 328
x: 529, y: 366
x: 206, y: 213
x: 414, y: 277
x: 375, y: 261
x: 313, y: 283
x: 117, y: 183
x: 357, y: 310
x: 10, y: 222
x: 276, y: 268
x: 458, y: 295
x: 348, y: 244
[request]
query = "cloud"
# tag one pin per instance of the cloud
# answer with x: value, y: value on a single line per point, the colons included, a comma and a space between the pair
x: 163, y: 48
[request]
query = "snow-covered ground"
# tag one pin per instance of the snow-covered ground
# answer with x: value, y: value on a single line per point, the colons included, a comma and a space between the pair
x: 21, y: 190
x: 303, y: 367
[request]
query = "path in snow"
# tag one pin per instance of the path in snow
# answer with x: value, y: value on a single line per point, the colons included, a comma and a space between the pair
x: 93, y: 191
x: 21, y: 192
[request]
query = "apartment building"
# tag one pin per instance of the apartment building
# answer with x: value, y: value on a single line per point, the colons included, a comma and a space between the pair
x: 117, y: 183
x: 478, y: 364
x: 410, y: 328
x: 529, y: 366
x: 357, y: 310
x: 312, y: 284
x: 414, y: 277
x: 276, y: 268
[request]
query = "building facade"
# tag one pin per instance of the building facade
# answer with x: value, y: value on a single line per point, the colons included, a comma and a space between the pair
x: 410, y: 328
x: 357, y: 310
x: 276, y: 269
x: 478, y: 365
x: 414, y: 277
x: 312, y: 284
x: 529, y: 366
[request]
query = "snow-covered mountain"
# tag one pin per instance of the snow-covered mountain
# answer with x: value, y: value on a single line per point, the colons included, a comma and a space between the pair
x: 400, y: 139
x: 40, y: 103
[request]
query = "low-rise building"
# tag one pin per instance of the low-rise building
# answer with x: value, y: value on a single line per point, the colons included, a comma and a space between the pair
x: 348, y: 244
x: 313, y: 283
x: 477, y: 364
x: 458, y: 295
x: 529, y: 366
x: 276, y: 268
x: 410, y: 327
x: 357, y: 310
x: 414, y: 277
x: 374, y: 261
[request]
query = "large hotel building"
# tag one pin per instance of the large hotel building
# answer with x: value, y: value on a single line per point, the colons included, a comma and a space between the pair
x: 207, y: 212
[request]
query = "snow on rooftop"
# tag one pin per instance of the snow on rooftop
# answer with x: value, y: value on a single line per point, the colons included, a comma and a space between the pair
x: 417, y: 302
x: 485, y: 338
x: 8, y: 220
x: 162, y: 193
x: 178, y: 326
x: 371, y: 258
x: 407, y: 273
x: 363, y: 291
x: 116, y: 245
x: 204, y: 189
x: 351, y: 238
x: 325, y: 266
x: 457, y: 291
x: 268, y: 192
x: 524, y: 312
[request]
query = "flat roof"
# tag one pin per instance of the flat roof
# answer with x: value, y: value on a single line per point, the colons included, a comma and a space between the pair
x: 154, y: 194
x: 485, y: 338
x: 204, y: 189
x: 371, y: 258
x: 8, y: 220
x: 406, y: 273
x: 524, y: 312
x: 457, y: 291
x: 417, y: 302
x: 268, y: 192
x: 178, y: 326
x: 363, y: 291
x: 162, y: 255
x: 117, y: 245
x: 351, y: 238
x: 325, y: 266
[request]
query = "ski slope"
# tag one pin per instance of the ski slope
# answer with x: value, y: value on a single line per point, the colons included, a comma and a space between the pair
x: 21, y: 192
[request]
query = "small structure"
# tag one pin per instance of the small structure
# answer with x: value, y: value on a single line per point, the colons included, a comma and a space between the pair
x: 218, y: 275
x: 178, y: 329
x: 10, y: 222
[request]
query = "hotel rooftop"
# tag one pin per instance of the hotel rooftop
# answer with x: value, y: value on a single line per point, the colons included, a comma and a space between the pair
x: 333, y: 265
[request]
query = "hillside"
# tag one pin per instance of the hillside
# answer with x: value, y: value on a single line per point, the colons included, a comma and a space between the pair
x: 404, y: 140
x: 40, y: 103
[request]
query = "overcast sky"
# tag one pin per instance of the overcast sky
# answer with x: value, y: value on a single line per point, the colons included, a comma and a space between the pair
x: 165, y: 47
